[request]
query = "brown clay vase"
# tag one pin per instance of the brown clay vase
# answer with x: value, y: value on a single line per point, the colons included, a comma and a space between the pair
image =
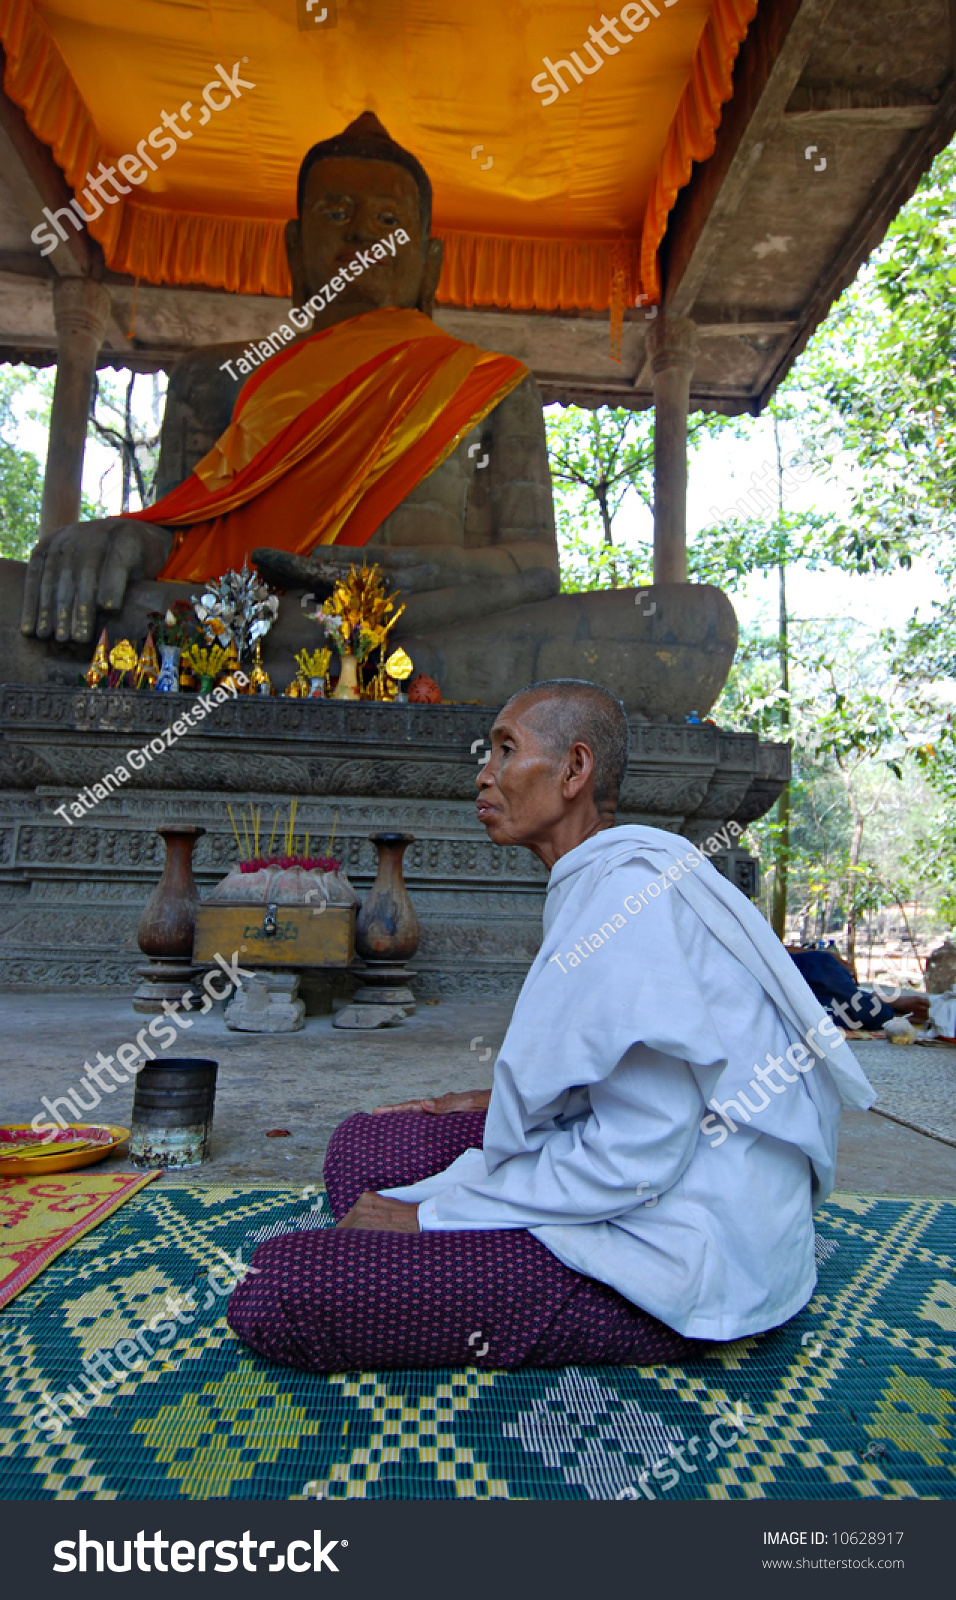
x: 387, y: 927
x: 169, y: 919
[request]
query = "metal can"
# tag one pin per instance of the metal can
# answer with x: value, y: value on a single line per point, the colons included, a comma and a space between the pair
x: 172, y: 1112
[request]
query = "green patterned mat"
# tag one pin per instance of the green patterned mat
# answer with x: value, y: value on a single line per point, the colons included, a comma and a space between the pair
x: 853, y: 1398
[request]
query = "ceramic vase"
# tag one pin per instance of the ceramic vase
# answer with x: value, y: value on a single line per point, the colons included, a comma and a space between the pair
x: 169, y: 918
x: 347, y: 687
x: 168, y: 923
x: 387, y: 927
x: 168, y: 680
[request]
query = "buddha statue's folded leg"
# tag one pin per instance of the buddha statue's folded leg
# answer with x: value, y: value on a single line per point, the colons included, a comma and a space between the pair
x: 438, y: 586
x: 386, y: 1152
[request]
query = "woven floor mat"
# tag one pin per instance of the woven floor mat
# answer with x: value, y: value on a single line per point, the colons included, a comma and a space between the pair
x: 853, y: 1398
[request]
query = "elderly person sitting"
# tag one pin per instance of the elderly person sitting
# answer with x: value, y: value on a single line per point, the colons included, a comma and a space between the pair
x: 618, y: 1196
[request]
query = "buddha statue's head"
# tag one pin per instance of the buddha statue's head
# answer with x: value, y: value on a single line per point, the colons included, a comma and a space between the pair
x: 354, y: 191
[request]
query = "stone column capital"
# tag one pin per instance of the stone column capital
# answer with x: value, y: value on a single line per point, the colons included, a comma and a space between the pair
x: 672, y: 344
x: 81, y: 306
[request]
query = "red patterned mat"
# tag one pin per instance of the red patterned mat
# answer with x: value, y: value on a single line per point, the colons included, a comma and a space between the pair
x: 42, y: 1217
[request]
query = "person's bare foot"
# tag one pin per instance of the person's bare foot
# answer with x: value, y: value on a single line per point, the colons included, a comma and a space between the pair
x: 382, y: 1215
x: 468, y: 1100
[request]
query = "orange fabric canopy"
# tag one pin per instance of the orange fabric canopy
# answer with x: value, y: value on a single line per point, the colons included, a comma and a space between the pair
x: 544, y: 201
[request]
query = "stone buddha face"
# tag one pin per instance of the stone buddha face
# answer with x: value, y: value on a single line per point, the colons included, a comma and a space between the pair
x: 350, y: 203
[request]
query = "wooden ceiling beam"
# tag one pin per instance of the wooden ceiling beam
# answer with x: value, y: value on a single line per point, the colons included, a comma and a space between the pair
x: 915, y: 159
x: 766, y: 72
x: 828, y: 103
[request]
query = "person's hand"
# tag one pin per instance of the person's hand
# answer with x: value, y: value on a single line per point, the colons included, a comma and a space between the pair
x: 74, y: 570
x: 469, y: 1100
x: 375, y: 1212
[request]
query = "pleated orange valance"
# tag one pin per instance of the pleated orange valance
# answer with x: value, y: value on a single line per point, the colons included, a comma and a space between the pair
x: 556, y: 135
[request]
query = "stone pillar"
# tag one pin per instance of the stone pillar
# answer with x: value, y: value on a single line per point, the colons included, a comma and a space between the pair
x: 80, y: 310
x: 672, y: 348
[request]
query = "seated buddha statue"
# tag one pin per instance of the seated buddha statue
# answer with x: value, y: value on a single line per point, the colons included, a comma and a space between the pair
x: 359, y: 426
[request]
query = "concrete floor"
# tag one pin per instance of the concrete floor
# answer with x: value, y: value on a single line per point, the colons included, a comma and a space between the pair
x: 308, y: 1082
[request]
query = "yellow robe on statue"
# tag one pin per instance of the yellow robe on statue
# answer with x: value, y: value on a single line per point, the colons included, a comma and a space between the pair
x: 328, y: 437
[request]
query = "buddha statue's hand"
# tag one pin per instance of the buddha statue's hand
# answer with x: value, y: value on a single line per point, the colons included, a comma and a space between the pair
x: 85, y: 565
x: 323, y: 569
x: 441, y: 1105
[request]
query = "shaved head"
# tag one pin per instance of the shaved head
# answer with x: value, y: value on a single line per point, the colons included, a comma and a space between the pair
x: 568, y: 711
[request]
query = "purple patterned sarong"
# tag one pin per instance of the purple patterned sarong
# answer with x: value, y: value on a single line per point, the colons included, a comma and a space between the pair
x: 334, y: 1301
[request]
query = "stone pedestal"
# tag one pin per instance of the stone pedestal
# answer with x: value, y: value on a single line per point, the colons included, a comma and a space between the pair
x: 266, y: 1003
x: 71, y: 897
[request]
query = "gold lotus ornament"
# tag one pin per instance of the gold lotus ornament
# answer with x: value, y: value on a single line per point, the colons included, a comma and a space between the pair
x: 398, y: 668
x: 399, y: 665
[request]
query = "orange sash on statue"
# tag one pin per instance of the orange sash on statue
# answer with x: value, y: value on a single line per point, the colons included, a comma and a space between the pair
x: 328, y: 437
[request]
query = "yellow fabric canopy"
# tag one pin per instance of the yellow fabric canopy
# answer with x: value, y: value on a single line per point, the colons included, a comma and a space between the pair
x: 544, y: 199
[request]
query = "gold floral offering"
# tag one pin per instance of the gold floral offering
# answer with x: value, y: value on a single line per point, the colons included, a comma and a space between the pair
x: 123, y: 659
x: 207, y: 662
x: 358, y: 616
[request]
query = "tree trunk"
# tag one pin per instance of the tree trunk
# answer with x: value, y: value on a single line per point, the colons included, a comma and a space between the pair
x: 856, y: 847
x: 782, y: 848
x: 778, y: 918
x: 600, y: 495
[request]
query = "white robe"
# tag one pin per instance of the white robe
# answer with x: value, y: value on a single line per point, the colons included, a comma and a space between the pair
x: 593, y: 1138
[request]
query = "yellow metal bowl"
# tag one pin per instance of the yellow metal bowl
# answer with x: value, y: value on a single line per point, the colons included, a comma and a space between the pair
x: 108, y: 1137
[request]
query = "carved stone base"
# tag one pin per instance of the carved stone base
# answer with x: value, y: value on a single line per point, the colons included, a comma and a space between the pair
x: 71, y: 896
x: 164, y: 979
x: 369, y: 1017
x: 385, y: 983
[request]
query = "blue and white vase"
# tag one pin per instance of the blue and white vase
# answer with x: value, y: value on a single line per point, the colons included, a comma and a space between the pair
x: 168, y: 680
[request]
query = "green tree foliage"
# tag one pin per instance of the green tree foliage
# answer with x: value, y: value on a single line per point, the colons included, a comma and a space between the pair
x: 130, y: 430
x: 598, y: 458
x: 855, y: 736
x: 21, y: 475
x: 873, y: 399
